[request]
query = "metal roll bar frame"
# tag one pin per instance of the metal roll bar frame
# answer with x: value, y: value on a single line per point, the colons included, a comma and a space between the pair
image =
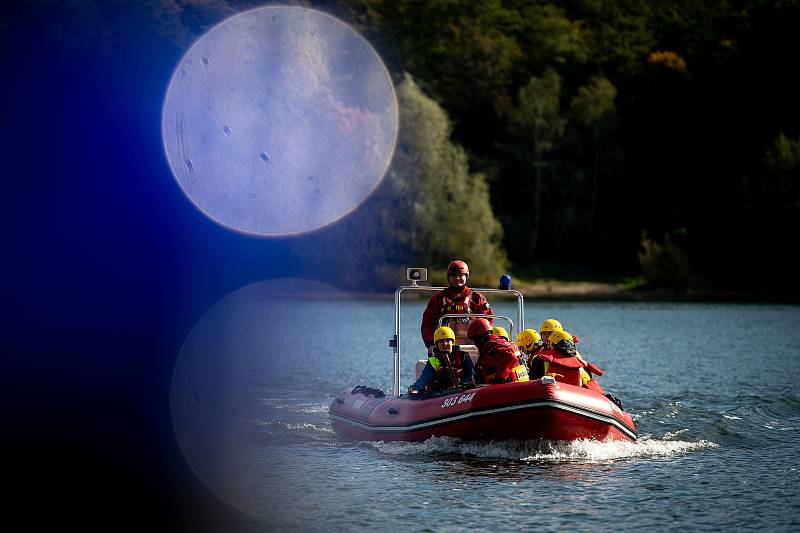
x: 394, y: 342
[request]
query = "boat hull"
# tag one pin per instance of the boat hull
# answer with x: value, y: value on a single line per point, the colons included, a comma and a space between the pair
x: 526, y: 411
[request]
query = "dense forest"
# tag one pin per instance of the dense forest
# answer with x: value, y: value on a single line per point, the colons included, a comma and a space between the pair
x: 583, y: 138
x: 615, y: 137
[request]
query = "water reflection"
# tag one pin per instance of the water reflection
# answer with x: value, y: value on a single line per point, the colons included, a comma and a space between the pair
x: 698, y: 440
x: 255, y: 346
x: 525, y: 470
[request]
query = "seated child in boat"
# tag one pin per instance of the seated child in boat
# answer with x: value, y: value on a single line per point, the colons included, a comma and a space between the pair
x: 447, y: 367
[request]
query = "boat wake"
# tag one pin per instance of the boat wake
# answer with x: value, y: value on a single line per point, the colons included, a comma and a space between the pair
x: 582, y: 450
x: 289, y: 417
x: 295, y: 405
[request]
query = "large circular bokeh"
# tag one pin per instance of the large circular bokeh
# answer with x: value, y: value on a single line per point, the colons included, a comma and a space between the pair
x: 279, y: 120
x: 272, y: 342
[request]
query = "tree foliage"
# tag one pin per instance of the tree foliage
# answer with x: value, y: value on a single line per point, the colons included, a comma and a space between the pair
x: 665, y: 265
x: 584, y: 122
x: 429, y: 210
x: 594, y: 102
x: 451, y: 215
x: 665, y: 117
x: 782, y: 179
x: 536, y: 125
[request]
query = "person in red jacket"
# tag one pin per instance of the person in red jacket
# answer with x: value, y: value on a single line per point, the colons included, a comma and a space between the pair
x: 564, y: 363
x: 497, y: 358
x: 457, y: 298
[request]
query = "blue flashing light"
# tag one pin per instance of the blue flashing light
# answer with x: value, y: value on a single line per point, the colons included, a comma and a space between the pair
x: 505, y: 282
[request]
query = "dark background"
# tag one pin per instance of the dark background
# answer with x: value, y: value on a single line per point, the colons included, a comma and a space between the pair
x: 106, y: 268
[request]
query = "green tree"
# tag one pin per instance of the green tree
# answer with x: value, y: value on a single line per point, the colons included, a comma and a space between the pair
x: 593, y: 108
x: 666, y: 266
x: 462, y: 52
x: 429, y: 209
x: 618, y: 33
x: 548, y: 37
x: 782, y: 180
x: 536, y: 125
x: 451, y: 215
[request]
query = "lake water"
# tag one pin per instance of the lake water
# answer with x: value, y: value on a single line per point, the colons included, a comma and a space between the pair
x: 711, y: 388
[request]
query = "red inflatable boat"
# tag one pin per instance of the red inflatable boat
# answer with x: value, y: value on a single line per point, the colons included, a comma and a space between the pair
x: 537, y: 409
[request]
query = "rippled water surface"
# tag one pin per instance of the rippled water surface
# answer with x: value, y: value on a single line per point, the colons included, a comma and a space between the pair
x: 712, y: 389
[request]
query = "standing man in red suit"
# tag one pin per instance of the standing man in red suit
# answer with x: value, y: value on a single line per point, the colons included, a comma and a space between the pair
x: 457, y: 298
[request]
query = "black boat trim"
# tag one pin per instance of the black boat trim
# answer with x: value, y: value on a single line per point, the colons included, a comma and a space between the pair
x: 484, y: 412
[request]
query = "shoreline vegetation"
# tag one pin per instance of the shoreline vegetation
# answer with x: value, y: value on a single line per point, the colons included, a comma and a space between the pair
x: 590, y: 290
x: 623, y: 291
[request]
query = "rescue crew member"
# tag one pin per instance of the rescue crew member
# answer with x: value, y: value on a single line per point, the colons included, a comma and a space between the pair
x: 501, y: 332
x: 549, y: 326
x: 563, y: 362
x: 496, y: 359
x: 456, y: 298
x: 447, y: 366
x: 529, y: 343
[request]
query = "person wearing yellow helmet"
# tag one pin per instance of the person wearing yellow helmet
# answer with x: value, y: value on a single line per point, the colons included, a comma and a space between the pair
x: 501, y: 332
x: 447, y: 366
x: 456, y: 298
x: 562, y: 361
x: 549, y: 326
x: 562, y: 340
x: 559, y: 360
x: 529, y: 343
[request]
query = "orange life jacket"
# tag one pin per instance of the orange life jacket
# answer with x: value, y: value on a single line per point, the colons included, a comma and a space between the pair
x: 565, y: 368
x: 462, y: 303
x: 448, y: 302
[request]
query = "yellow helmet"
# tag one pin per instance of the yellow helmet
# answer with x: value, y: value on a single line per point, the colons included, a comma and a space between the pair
x: 500, y: 332
x: 551, y: 324
x: 527, y: 338
x: 443, y: 333
x: 558, y: 336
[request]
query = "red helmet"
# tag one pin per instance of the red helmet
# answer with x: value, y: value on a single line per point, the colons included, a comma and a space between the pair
x: 457, y: 267
x: 478, y: 327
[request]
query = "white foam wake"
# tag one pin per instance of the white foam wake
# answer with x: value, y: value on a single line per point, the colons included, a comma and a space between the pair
x: 548, y: 451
